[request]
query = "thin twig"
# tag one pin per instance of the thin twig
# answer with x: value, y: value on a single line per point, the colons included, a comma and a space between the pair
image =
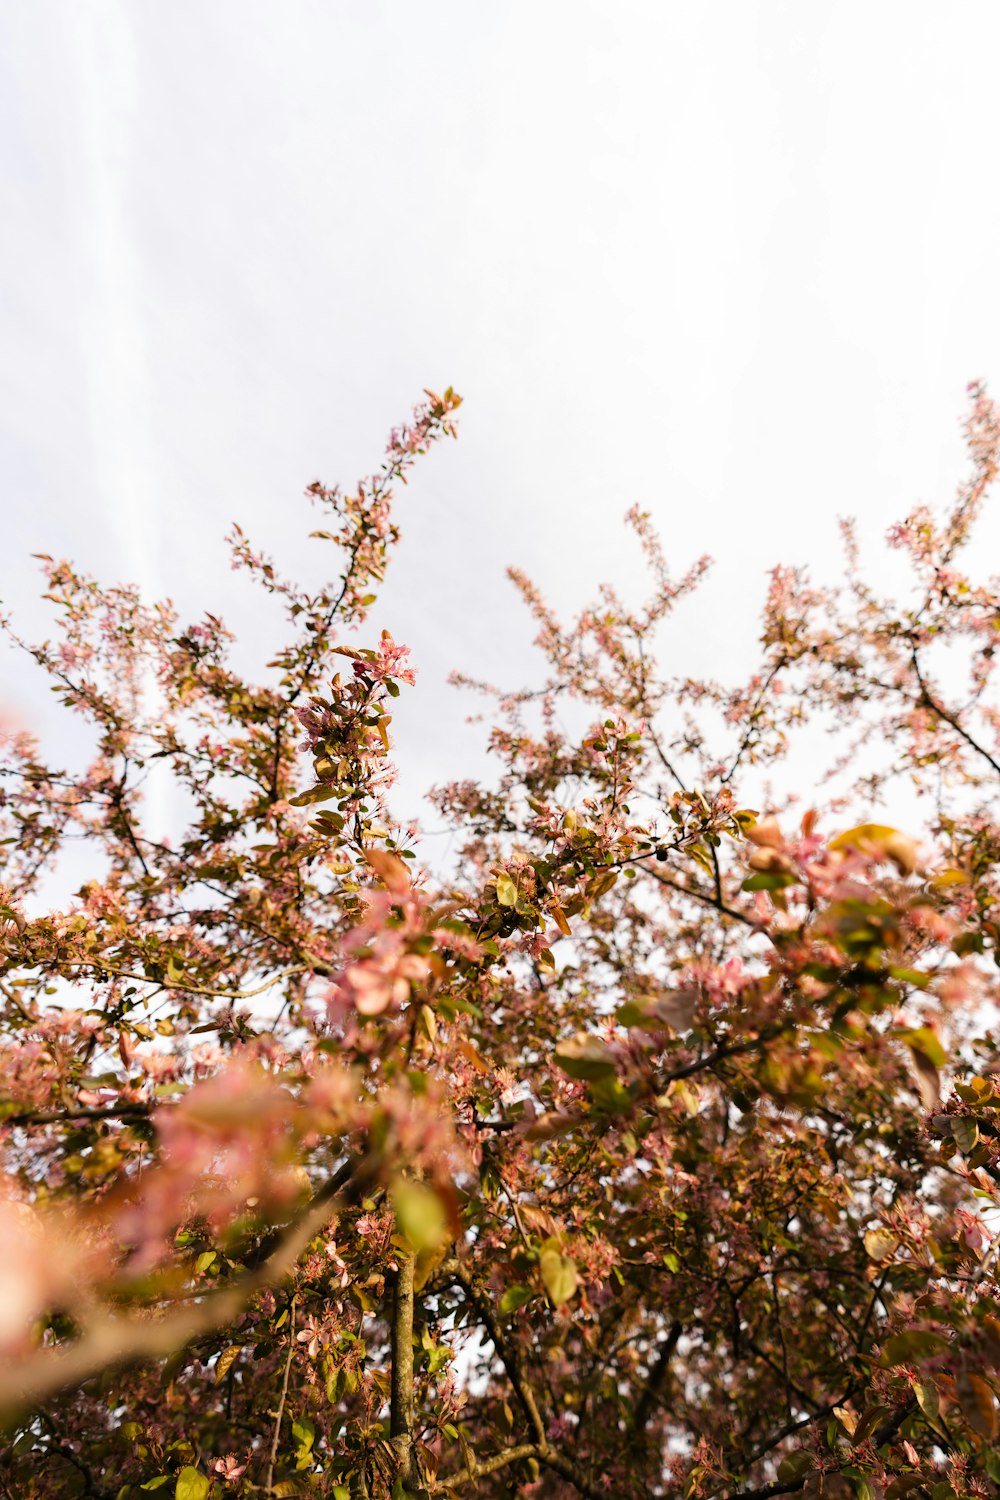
x: 137, y: 1111
x: 15, y: 1000
x: 281, y: 1400
x: 186, y: 989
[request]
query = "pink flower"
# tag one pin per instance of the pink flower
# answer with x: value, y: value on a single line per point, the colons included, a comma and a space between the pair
x: 388, y: 662
x: 338, y: 1266
x: 312, y: 1336
x: 229, y: 1468
x: 508, y: 1084
x: 974, y: 1231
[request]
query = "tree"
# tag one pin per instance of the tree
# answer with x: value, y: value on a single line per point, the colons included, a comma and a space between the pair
x: 652, y: 1150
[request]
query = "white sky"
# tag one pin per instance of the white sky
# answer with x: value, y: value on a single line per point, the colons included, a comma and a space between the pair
x: 735, y: 262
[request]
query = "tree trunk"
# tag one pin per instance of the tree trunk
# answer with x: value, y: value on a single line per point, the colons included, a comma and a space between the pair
x: 401, y: 1400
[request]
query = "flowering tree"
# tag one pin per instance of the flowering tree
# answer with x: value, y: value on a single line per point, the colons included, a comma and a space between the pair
x: 650, y: 1151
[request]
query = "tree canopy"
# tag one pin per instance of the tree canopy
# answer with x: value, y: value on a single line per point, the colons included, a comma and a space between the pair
x: 648, y: 1149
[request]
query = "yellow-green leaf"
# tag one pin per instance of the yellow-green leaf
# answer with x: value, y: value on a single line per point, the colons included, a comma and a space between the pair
x: 191, y: 1485
x: 847, y: 1419
x: 558, y: 1273
x: 927, y: 1399
x: 881, y: 842
x: 420, y: 1214
x: 945, y: 878
x: 907, y: 1348
x: 794, y: 1465
x: 226, y: 1360
x: 927, y: 1039
x: 965, y: 1133
x: 880, y: 1243
x: 515, y: 1297
x: 585, y: 1056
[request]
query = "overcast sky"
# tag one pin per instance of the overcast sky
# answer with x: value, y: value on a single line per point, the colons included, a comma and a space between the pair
x: 735, y: 262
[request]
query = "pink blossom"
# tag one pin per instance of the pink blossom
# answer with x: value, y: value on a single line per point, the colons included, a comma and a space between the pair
x: 974, y: 1231
x: 229, y: 1468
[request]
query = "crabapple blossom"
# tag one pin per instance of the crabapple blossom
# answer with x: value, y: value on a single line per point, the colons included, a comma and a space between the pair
x: 646, y: 1145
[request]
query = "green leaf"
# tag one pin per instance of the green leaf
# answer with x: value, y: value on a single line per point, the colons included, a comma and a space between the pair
x: 157, y: 1483
x: 610, y: 1095
x: 515, y: 1297
x: 673, y: 1008
x: 304, y: 1433
x: 766, y: 880
x: 870, y: 1418
x: 558, y: 1273
x: 321, y: 793
x: 965, y: 1133
x: 916, y: 977
x: 585, y: 1056
x: 927, y: 1399
x: 420, y: 1214
x: 794, y: 1465
x: 204, y: 1260
x: 926, y: 1039
x: 191, y: 1485
x: 917, y: 1343
x: 506, y: 891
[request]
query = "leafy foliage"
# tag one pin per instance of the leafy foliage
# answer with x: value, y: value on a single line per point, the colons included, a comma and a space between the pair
x: 651, y: 1152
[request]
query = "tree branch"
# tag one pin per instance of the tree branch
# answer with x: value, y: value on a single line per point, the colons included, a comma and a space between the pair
x: 272, y: 1459
x: 401, y: 1394
x: 777, y: 1487
x: 508, y: 1351
x: 116, y: 1341
x: 704, y: 896
x: 927, y: 700
x: 136, y: 1111
x: 489, y: 1466
x: 510, y: 1357
x: 657, y: 1375
x: 186, y: 989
